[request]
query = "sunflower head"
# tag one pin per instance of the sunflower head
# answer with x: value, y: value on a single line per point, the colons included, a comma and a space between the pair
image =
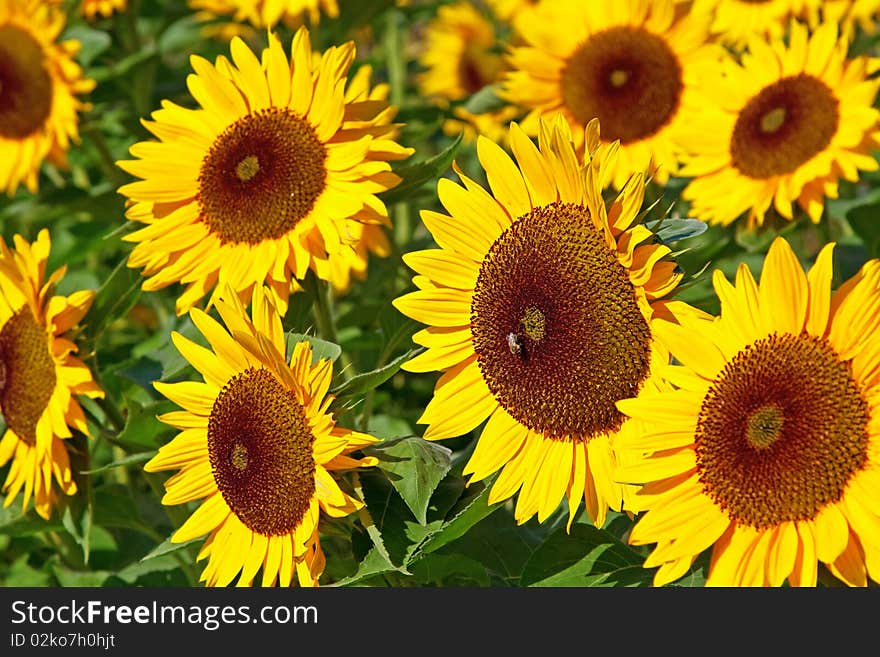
x: 537, y: 304
x: 40, y: 82
x: 39, y: 375
x: 277, y: 172
x: 631, y: 64
x: 460, y: 58
x: 764, y: 448
x: 782, y: 126
x: 257, y: 446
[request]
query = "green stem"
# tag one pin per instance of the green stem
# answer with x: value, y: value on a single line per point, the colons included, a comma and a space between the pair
x: 107, y: 161
x: 113, y: 415
x: 177, y: 516
x: 394, y: 50
x: 325, y: 322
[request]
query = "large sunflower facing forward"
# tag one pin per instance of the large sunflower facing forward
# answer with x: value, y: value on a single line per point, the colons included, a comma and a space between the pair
x: 262, y: 182
x: 39, y: 81
x: 39, y: 375
x: 783, y: 126
x: 538, y: 304
x: 257, y: 446
x: 769, y: 451
x: 631, y: 64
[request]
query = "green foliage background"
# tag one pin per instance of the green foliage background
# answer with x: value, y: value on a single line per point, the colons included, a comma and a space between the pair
x: 423, y: 526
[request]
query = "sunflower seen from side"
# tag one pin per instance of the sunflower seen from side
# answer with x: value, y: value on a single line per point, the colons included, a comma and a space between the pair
x: 257, y: 446
x: 40, y: 378
x: 537, y: 305
x: 632, y: 64
x: 767, y: 451
x: 460, y: 58
x: 41, y: 84
x: 262, y: 182
x: 783, y: 127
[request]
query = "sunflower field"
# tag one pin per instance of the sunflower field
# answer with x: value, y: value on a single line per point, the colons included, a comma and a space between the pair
x: 421, y: 293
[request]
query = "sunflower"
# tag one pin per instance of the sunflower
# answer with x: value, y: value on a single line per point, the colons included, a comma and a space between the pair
x: 632, y: 64
x: 39, y: 81
x: 850, y: 14
x: 268, y: 13
x: 768, y: 451
x: 265, y: 179
x: 537, y: 304
x: 258, y: 446
x: 39, y: 375
x: 735, y: 21
x: 784, y: 125
x: 460, y: 58
x: 92, y: 8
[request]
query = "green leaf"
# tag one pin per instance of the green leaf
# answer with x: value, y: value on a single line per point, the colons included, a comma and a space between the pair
x: 133, y: 459
x: 673, y: 230
x: 92, y: 42
x: 415, y: 175
x: 471, y: 511
x: 113, y: 300
x: 321, y: 349
x: 865, y: 222
x: 167, y: 547
x: 587, y: 556
x: 357, y: 385
x: 414, y: 467
x: 450, y: 570
x: 15, y: 523
x: 22, y: 574
x: 375, y: 563
x: 485, y: 100
x: 79, y: 578
x: 142, y: 430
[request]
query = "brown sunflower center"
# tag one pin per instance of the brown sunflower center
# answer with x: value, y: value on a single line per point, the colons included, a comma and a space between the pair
x: 477, y: 68
x: 25, y: 84
x: 557, y: 330
x: 783, y: 126
x: 261, y: 176
x: 28, y: 373
x: 260, y: 446
x: 626, y: 77
x: 781, y: 431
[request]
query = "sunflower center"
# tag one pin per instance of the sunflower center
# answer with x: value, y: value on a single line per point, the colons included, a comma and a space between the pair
x: 781, y: 431
x: 25, y: 84
x: 764, y: 426
x: 557, y: 330
x: 247, y: 168
x: 783, y: 126
x: 28, y: 374
x: 260, y: 447
x: 262, y: 175
x: 627, y: 77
